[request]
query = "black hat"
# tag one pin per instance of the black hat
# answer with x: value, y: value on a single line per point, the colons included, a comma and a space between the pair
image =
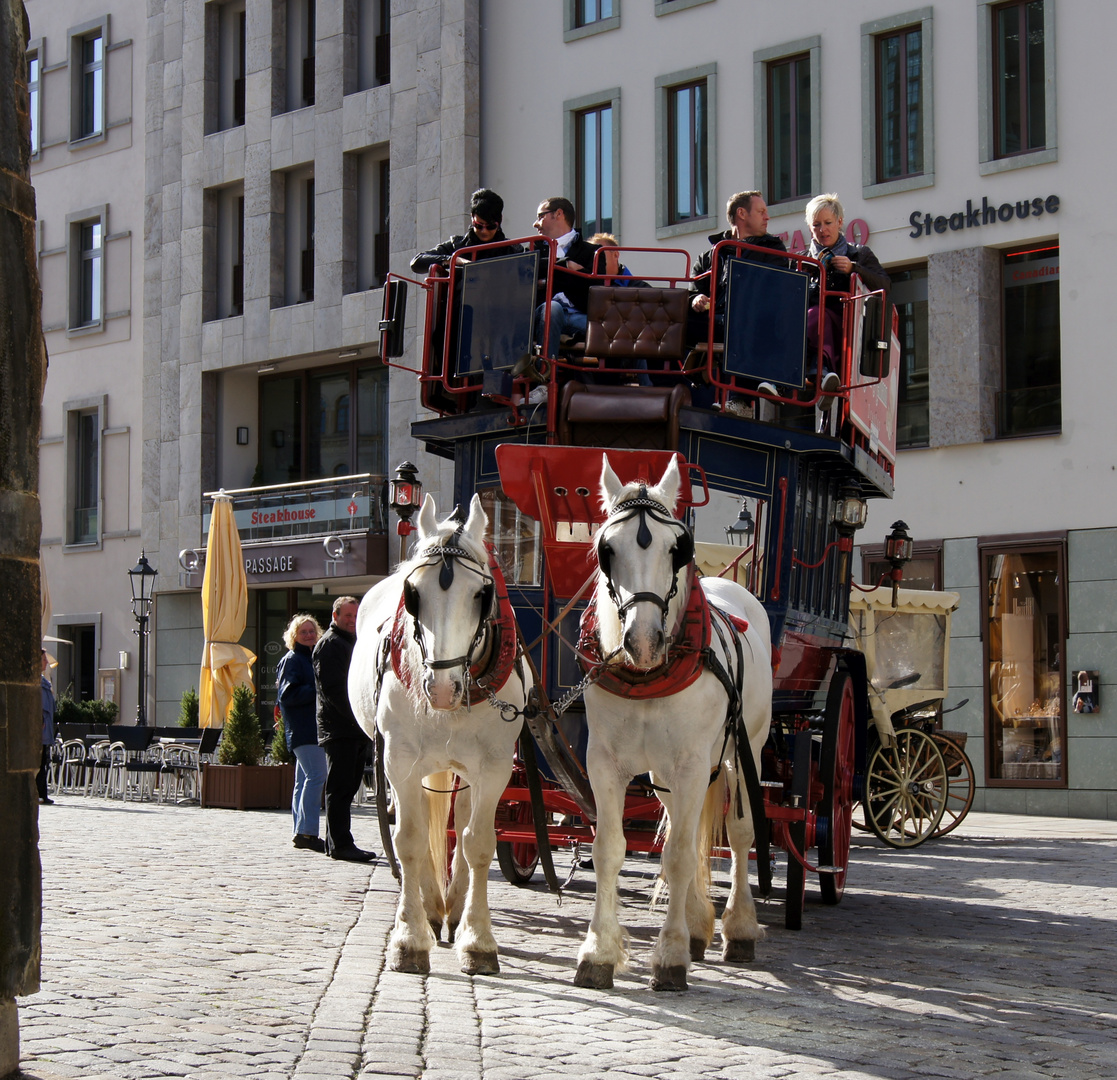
x: 487, y: 205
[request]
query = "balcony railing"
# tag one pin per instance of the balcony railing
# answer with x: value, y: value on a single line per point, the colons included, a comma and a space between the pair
x: 338, y: 505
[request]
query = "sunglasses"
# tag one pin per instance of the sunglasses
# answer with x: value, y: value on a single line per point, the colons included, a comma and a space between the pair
x: 487, y: 226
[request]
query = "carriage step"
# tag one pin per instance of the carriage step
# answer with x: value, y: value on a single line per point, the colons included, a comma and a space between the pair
x: 771, y: 783
x: 830, y: 869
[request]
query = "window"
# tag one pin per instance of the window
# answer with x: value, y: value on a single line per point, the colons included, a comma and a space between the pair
x: 1019, y: 111
x: 231, y: 64
x: 686, y: 112
x: 87, y: 278
x: 83, y: 470
x: 34, y: 70
x: 311, y: 430
x: 1030, y: 400
x: 581, y: 18
x: 374, y: 43
x: 909, y: 295
x: 923, y: 572
x: 1016, y: 87
x: 230, y: 251
x: 591, y: 11
x: 77, y: 666
x: 1024, y: 634
x: 300, y: 54
x: 88, y: 66
x: 900, y: 104
x: 789, y: 128
x: 299, y: 237
x: 593, y: 166
x: 788, y: 151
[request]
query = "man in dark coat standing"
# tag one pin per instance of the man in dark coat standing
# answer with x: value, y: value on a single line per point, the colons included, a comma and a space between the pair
x: 339, y: 734
x: 48, y: 732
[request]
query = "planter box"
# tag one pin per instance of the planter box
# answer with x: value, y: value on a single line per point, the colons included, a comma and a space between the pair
x: 248, y: 787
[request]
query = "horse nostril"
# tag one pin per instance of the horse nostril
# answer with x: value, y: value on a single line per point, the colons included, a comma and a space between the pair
x: 658, y: 641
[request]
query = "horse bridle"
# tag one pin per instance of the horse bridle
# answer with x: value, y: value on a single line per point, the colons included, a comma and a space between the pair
x: 449, y: 553
x: 642, y: 505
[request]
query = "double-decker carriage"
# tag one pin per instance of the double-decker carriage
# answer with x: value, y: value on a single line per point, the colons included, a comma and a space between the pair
x: 528, y: 432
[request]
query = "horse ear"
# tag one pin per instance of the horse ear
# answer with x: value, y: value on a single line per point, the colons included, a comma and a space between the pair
x: 477, y: 522
x: 667, y: 490
x: 611, y: 485
x: 428, y: 525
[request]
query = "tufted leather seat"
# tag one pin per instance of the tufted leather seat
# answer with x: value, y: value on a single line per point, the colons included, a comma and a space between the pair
x: 636, y: 323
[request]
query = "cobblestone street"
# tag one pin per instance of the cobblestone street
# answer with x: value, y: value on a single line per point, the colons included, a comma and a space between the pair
x: 199, y: 943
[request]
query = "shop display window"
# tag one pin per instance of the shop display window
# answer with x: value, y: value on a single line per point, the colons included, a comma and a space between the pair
x: 1025, y: 633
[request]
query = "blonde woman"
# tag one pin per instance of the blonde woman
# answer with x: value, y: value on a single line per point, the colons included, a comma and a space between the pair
x: 294, y: 678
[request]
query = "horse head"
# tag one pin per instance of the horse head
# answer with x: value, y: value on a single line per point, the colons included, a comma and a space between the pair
x: 448, y: 593
x: 642, y: 548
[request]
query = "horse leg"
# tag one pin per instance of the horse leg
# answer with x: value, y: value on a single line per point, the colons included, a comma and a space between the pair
x: 740, y: 929
x: 459, y: 871
x: 700, y: 916
x: 671, y: 955
x: 606, y: 946
x: 476, y: 946
x: 411, y: 939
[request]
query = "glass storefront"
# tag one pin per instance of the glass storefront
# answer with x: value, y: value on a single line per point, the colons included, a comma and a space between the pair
x: 1024, y: 631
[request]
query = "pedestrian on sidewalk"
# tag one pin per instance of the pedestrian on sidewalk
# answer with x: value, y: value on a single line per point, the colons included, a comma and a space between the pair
x: 48, y: 732
x: 340, y: 736
x: 297, y: 698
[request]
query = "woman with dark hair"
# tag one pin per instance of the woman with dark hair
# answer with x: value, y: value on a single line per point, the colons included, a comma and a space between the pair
x: 294, y: 678
x: 486, y: 211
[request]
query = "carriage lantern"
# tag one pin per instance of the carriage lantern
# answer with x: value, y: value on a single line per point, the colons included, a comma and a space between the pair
x: 740, y: 531
x: 898, y: 550
x: 850, y: 514
x: 405, y: 496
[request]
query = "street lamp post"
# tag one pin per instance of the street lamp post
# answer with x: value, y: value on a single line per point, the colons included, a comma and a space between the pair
x: 142, y: 579
x: 405, y: 496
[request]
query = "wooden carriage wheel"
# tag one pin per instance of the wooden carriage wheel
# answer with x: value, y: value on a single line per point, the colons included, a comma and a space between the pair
x: 518, y: 860
x: 905, y: 789
x: 960, y: 783
x: 836, y: 768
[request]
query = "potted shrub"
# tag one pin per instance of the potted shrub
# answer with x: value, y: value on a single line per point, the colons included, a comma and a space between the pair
x: 239, y: 781
x: 188, y: 709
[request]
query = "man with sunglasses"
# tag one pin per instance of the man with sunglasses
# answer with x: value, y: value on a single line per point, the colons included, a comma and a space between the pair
x: 486, y: 209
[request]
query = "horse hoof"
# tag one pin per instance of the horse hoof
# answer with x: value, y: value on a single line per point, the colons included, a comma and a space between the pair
x: 451, y: 933
x: 697, y: 949
x: 480, y: 963
x: 669, y: 978
x: 411, y: 962
x: 436, y: 929
x: 594, y: 976
x: 739, y: 951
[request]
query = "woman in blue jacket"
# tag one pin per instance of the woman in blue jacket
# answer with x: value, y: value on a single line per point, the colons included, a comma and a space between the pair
x: 294, y: 678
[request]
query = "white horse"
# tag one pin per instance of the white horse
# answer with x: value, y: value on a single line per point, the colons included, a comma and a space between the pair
x: 432, y: 640
x: 643, y: 604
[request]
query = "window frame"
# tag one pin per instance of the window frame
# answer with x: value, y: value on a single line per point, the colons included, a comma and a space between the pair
x: 35, y: 52
x: 669, y: 7
x: 78, y: 35
x: 572, y: 30
x: 72, y: 412
x: 1040, y: 543
x: 664, y: 86
x: 895, y: 270
x: 988, y: 161
x: 812, y: 46
x: 76, y: 259
x: 871, y: 33
x: 571, y: 110
x: 929, y: 550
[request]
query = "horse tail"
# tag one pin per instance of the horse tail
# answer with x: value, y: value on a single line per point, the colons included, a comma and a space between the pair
x: 437, y: 789
x: 711, y: 831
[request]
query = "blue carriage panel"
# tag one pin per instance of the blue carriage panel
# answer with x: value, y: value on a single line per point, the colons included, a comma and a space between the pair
x: 496, y: 313
x: 766, y: 323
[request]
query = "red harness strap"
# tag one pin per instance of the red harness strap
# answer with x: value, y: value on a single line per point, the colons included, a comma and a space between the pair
x: 685, y: 654
x: 490, y: 673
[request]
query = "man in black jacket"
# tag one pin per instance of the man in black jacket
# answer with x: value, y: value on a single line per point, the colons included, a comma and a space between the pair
x: 570, y: 295
x: 748, y: 219
x: 339, y: 734
x: 486, y: 211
